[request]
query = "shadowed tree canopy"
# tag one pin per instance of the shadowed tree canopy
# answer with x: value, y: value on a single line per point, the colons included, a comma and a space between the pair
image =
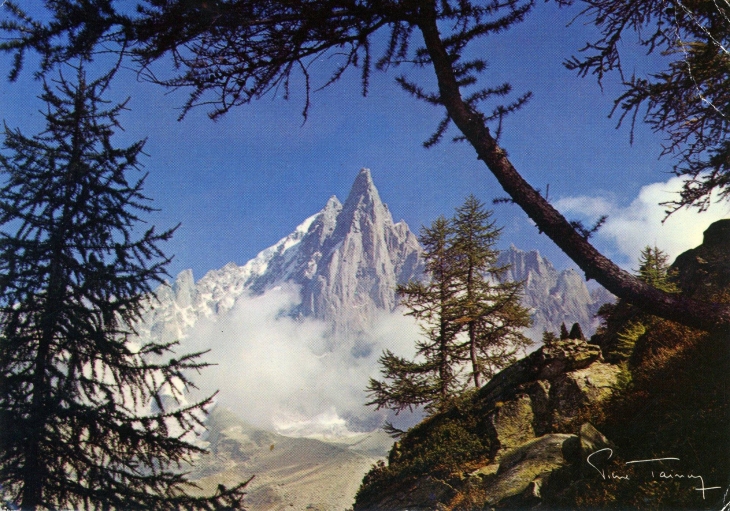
x: 230, y: 52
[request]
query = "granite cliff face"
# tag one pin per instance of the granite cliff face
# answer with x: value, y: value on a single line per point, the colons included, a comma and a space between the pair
x: 351, y: 274
x: 553, y: 296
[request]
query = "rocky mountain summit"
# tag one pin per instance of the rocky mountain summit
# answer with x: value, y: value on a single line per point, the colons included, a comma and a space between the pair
x: 554, y: 297
x: 347, y: 260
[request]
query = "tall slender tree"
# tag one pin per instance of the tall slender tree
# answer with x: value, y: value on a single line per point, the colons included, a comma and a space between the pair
x: 83, y: 421
x: 432, y: 380
x: 469, y: 317
x: 490, y: 305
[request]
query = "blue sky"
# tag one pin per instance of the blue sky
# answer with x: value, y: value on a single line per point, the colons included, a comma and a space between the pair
x: 239, y: 184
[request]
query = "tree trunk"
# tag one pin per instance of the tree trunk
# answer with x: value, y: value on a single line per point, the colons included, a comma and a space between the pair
x: 473, y: 354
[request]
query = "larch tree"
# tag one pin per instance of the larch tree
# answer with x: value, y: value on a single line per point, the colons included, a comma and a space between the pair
x: 84, y: 418
x: 654, y: 269
x: 471, y: 319
x: 688, y: 100
x: 231, y: 52
x: 490, y: 307
x: 432, y: 380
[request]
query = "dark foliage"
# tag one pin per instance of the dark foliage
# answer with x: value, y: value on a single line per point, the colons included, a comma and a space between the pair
x: 228, y: 53
x: 86, y: 421
x: 488, y: 306
x: 433, y: 379
x: 442, y: 446
x: 623, y: 323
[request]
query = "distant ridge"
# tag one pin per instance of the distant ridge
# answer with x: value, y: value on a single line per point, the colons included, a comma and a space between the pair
x: 554, y: 296
x: 347, y: 260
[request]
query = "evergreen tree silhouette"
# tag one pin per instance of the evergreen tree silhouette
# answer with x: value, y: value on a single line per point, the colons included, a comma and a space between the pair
x: 432, y: 381
x: 471, y: 321
x: 89, y: 418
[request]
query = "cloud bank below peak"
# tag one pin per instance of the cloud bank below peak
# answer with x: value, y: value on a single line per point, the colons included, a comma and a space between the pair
x: 290, y: 374
x: 643, y: 221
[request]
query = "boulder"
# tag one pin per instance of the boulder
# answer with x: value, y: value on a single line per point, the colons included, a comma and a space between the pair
x: 546, y: 363
x: 573, y: 391
x: 566, y: 355
x: 425, y: 494
x: 524, y: 470
x: 512, y: 422
x: 591, y: 440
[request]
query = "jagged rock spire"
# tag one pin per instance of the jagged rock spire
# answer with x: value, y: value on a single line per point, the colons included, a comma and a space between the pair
x: 361, y: 263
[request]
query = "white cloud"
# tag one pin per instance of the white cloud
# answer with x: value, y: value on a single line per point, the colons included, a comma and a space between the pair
x: 630, y: 228
x: 281, y: 373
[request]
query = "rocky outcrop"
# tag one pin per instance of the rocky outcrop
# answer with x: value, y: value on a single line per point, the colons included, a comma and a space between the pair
x: 704, y: 271
x: 520, y: 473
x: 556, y: 382
x: 528, y: 416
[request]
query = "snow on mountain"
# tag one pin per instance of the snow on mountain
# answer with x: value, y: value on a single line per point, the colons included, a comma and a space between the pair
x: 347, y: 260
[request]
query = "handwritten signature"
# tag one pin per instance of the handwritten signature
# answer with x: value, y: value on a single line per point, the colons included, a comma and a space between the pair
x: 655, y: 473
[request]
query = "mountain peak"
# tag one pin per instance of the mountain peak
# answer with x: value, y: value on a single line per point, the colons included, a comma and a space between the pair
x: 363, y: 205
x: 360, y: 263
x: 363, y: 191
x: 364, y: 178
